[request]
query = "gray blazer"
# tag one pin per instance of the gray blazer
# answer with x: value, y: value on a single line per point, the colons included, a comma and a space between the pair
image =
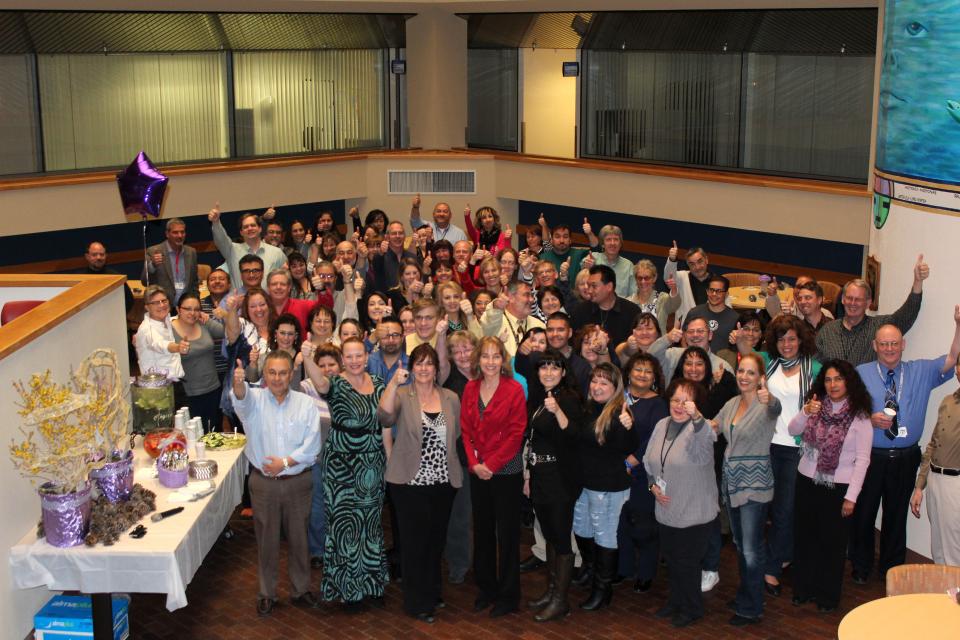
x: 163, y: 275
x: 408, y: 441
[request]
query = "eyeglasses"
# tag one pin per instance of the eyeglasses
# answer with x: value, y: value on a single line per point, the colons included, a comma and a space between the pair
x: 393, y: 335
x: 251, y: 270
x: 645, y: 278
x: 192, y: 309
x: 716, y: 290
x: 162, y: 303
x: 326, y: 276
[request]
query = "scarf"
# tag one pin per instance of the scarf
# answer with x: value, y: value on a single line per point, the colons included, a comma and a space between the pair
x: 824, y: 434
x: 806, y: 375
x: 489, y: 239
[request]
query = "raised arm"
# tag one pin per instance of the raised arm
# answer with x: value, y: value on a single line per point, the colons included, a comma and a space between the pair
x: 220, y: 238
x: 471, y: 230
x: 904, y: 317
x: 954, y: 351
x: 389, y: 407
x: 415, y: 220
x: 592, y: 239
x: 320, y: 382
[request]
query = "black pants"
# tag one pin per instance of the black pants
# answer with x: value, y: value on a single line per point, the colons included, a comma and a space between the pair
x: 206, y: 406
x: 496, y: 528
x: 683, y: 550
x: 638, y: 538
x: 820, y: 541
x: 890, y: 479
x: 556, y: 523
x: 423, y: 513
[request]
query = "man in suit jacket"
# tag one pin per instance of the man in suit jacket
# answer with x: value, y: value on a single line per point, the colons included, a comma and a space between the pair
x: 173, y: 264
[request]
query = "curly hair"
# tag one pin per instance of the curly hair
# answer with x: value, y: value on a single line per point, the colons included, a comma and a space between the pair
x: 779, y: 328
x: 857, y: 395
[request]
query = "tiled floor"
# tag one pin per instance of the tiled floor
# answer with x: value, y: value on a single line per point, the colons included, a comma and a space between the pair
x: 222, y: 599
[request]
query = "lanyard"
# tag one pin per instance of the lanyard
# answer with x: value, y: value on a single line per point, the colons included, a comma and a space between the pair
x: 883, y: 378
x: 664, y: 456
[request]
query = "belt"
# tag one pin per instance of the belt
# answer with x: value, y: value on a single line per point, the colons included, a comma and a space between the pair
x: 894, y: 452
x: 533, y: 459
x: 286, y: 477
x: 946, y: 472
x: 354, y: 431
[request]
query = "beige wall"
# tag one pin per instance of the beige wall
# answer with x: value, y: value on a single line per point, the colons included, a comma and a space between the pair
x: 500, y: 183
x: 548, y: 103
x: 99, y: 325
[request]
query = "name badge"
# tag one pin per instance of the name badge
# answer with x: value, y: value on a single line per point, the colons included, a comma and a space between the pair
x: 662, y: 484
x: 902, y: 432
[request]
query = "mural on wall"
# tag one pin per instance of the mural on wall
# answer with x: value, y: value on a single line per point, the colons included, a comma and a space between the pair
x: 918, y: 120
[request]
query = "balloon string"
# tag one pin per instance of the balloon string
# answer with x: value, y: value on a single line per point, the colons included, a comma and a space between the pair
x: 146, y: 269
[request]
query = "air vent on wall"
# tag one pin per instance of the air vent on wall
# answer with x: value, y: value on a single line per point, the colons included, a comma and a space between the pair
x: 409, y: 182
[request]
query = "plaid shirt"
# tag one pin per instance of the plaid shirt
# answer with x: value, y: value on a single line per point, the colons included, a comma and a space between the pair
x: 835, y: 341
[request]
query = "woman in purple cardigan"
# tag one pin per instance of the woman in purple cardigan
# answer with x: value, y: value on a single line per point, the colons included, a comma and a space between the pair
x: 836, y: 438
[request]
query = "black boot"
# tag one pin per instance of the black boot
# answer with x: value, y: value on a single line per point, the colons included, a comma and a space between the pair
x: 604, y: 569
x: 543, y: 600
x: 558, y: 606
x: 584, y: 575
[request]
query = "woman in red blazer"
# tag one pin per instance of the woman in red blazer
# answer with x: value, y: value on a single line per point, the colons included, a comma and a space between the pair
x: 493, y: 417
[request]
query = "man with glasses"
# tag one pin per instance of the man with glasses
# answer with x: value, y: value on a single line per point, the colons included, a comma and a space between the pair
x: 720, y: 318
x: 849, y: 338
x: 900, y: 392
x: 508, y: 316
x: 272, y: 257
x: 696, y: 334
x: 692, y: 283
x: 605, y: 308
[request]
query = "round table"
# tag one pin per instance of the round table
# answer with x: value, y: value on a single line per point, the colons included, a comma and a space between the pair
x: 917, y: 615
x: 740, y: 297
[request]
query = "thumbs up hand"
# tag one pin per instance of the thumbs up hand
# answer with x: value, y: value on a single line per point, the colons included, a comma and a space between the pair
x: 672, y: 254
x: 214, y: 213
x: 238, y: 376
x: 812, y: 406
x: 921, y: 270
x: 507, y: 232
x: 626, y: 417
x: 401, y: 375
x: 466, y: 307
x: 587, y: 229
x: 763, y: 395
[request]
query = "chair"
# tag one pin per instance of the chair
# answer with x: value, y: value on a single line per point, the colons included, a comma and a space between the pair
x: 743, y: 279
x: 203, y: 270
x: 831, y: 295
x: 921, y: 578
x: 16, y: 308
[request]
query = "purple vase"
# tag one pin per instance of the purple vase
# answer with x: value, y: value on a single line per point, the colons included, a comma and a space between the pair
x: 115, y: 479
x: 66, y: 516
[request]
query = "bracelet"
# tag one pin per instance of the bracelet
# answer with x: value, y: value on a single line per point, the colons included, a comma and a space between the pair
x: 286, y: 465
x: 627, y: 464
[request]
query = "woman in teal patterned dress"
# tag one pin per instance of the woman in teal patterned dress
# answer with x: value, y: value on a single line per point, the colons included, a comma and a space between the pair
x: 353, y: 462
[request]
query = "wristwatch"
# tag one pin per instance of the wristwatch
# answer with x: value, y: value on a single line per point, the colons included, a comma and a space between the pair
x: 286, y: 465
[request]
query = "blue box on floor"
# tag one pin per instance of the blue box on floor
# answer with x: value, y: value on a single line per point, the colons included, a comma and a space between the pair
x: 71, y: 618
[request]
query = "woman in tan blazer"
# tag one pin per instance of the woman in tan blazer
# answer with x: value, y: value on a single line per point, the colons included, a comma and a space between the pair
x: 424, y: 473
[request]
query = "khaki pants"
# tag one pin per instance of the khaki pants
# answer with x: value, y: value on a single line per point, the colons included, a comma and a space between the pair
x: 943, y: 509
x: 281, y: 503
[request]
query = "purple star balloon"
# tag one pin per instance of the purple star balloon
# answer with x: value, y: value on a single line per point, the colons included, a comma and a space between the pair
x: 142, y: 187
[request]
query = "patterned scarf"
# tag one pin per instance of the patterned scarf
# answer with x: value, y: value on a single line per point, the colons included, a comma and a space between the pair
x: 806, y: 370
x: 824, y: 434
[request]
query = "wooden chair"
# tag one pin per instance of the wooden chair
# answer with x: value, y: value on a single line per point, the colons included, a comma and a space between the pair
x: 921, y: 578
x: 831, y: 295
x: 203, y: 270
x: 743, y: 279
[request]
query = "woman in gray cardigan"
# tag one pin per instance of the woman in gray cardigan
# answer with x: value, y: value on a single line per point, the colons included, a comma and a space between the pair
x: 748, y: 421
x: 679, y: 464
x: 424, y: 474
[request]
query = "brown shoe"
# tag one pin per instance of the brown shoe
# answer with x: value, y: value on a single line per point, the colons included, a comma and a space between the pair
x: 265, y: 606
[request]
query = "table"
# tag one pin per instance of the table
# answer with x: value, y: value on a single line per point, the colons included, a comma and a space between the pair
x: 917, y: 615
x: 164, y: 561
x: 739, y: 297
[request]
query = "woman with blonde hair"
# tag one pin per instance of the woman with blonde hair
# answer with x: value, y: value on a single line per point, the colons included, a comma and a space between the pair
x: 605, y: 443
x: 457, y: 309
x: 493, y: 418
x: 660, y: 303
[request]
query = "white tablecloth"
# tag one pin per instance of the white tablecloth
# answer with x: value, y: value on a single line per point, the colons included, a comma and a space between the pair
x: 164, y: 561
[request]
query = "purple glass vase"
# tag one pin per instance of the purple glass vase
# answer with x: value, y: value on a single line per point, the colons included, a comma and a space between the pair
x: 66, y: 516
x: 115, y: 479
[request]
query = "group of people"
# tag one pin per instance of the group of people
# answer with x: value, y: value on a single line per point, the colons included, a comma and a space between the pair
x: 452, y: 377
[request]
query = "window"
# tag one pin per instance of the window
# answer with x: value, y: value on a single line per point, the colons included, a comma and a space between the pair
x: 492, y: 98
x: 19, y: 125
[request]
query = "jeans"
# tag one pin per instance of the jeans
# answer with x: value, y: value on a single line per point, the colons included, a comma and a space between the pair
x: 784, y: 461
x: 597, y: 515
x: 317, y: 533
x: 746, y: 525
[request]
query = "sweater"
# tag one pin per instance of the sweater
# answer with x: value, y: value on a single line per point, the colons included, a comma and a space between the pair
x: 747, y: 473
x: 854, y: 456
x: 601, y: 465
x: 497, y: 437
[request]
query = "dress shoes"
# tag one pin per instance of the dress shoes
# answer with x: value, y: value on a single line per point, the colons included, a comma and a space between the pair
x: 741, y: 621
x: 772, y: 589
x: 425, y: 617
x: 499, y: 610
x: 642, y: 586
x: 859, y: 578
x: 531, y: 564
x: 265, y: 606
x: 481, y: 603
x: 306, y: 599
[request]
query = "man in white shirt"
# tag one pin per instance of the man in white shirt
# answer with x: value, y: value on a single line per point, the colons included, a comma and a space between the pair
x: 442, y: 229
x: 250, y: 229
x: 283, y: 441
x: 508, y: 316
